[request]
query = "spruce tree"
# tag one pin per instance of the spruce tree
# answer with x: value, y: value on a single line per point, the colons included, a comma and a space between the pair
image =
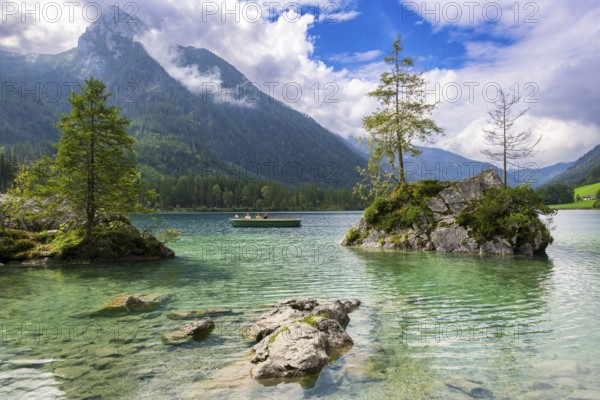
x: 95, y: 167
x: 402, y: 120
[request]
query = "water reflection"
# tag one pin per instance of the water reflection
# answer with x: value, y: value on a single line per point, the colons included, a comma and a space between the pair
x: 479, y: 317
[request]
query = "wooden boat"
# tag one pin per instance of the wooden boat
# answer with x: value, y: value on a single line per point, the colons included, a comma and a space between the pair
x: 265, y: 223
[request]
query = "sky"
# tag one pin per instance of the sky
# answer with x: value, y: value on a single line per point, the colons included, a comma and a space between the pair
x: 322, y: 57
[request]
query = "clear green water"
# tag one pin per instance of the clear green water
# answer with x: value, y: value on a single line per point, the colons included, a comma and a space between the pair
x: 425, y: 318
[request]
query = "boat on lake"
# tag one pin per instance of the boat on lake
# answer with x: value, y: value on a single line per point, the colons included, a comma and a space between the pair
x: 265, y: 222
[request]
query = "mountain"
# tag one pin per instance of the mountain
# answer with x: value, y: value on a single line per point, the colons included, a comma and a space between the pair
x: 579, y: 173
x: 443, y: 165
x: 180, y: 131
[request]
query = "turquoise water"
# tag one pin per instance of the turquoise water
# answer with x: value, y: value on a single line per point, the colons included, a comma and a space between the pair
x: 425, y: 318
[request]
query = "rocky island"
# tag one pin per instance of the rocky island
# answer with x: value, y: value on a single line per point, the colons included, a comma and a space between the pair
x: 32, y: 236
x: 73, y: 206
x: 476, y: 216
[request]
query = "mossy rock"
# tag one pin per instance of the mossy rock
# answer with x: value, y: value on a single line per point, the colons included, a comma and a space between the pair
x: 116, y: 240
x: 18, y: 245
x: 127, y: 303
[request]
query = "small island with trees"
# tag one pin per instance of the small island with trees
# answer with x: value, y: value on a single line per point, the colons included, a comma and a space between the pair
x: 75, y: 206
x: 478, y: 215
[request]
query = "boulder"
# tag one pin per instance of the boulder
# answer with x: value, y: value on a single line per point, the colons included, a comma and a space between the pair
x: 337, y: 339
x: 304, y: 337
x: 470, y: 189
x: 176, y: 338
x: 300, y: 350
x: 335, y: 311
x: 488, y: 178
x: 458, y: 207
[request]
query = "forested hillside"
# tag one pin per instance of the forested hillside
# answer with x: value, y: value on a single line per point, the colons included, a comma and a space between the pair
x: 179, y: 132
x: 585, y: 171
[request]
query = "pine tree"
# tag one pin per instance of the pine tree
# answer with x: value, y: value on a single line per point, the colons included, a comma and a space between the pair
x: 95, y: 165
x: 402, y: 119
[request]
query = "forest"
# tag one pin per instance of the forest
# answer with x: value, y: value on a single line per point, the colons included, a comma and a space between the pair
x: 206, y: 192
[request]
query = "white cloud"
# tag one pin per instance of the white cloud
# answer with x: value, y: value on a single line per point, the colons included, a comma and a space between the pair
x: 338, y: 17
x: 357, y: 57
x: 550, y: 63
x: 168, y: 56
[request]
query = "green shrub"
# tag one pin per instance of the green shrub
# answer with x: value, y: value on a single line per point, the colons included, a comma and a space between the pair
x: 352, y: 235
x: 506, y: 212
x: 404, y: 206
x: 380, y: 206
x: 428, y: 188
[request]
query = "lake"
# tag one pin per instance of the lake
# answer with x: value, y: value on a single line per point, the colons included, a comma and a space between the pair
x: 522, y: 328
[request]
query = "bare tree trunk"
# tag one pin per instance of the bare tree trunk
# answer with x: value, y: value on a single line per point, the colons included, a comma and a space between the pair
x: 505, y: 144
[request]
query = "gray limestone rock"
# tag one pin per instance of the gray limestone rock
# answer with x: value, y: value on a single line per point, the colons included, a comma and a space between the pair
x: 451, y: 196
x: 294, y: 351
x: 437, y: 205
x: 470, y: 189
x: 449, y: 239
x: 308, y: 336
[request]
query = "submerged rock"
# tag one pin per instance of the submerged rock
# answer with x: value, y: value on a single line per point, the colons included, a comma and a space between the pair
x: 299, y: 337
x: 584, y: 395
x: 562, y: 368
x: 192, y: 314
x: 472, y: 388
x: 199, y: 328
x: 196, y: 330
x: 126, y: 303
x: 71, y: 373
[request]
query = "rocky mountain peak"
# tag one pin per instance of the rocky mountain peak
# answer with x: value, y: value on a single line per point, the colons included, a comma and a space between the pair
x: 113, y: 28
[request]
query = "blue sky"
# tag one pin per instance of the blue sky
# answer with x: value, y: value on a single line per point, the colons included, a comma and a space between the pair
x: 376, y: 28
x: 546, y: 51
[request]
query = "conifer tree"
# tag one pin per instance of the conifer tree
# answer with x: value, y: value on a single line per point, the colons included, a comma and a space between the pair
x: 402, y: 119
x: 95, y: 167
